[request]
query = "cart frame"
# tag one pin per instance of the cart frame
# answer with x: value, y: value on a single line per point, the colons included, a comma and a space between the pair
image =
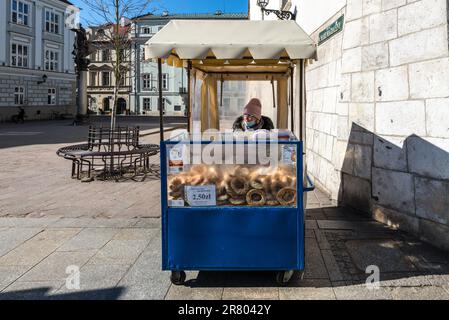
x: 213, y: 238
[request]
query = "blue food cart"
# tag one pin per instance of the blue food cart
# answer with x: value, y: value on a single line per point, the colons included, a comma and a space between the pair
x: 234, y: 200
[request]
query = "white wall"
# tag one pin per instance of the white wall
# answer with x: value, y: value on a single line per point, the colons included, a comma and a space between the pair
x: 377, y: 110
x: 311, y: 14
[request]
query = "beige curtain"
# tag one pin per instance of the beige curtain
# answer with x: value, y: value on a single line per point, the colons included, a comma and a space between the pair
x: 282, y: 103
x: 209, y: 104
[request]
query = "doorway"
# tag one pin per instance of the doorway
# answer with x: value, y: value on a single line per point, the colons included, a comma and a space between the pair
x: 121, y: 106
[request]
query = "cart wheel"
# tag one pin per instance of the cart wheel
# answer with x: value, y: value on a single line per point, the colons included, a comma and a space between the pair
x: 178, y: 277
x: 283, y: 277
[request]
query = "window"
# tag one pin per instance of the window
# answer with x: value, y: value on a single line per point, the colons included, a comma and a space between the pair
x: 163, y: 105
x: 51, y: 22
x: 51, y: 60
x: 147, y: 81
x: 177, y: 108
x: 106, y: 55
x: 122, y: 81
x: 51, y: 97
x: 146, y: 103
x: 241, y: 103
x: 146, y: 30
x: 19, y: 55
x: 106, y: 105
x: 122, y: 55
x: 105, y: 80
x: 19, y: 95
x: 224, y: 111
x: 226, y: 86
x: 93, y: 78
x: 20, y: 12
x: 142, y: 53
x: 165, y: 81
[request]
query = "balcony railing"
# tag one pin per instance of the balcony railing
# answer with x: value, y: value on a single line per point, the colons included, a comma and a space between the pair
x: 108, y: 88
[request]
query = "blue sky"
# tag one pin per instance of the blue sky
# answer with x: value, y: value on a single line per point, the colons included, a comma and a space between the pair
x: 187, y: 6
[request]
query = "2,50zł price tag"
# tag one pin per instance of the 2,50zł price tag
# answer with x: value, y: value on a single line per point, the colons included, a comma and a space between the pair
x: 201, y: 196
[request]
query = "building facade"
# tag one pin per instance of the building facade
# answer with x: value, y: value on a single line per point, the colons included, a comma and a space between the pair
x: 101, y: 78
x: 144, y: 84
x: 36, y: 64
x: 377, y: 134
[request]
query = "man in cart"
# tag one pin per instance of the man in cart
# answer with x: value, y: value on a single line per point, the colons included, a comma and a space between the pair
x: 252, y: 118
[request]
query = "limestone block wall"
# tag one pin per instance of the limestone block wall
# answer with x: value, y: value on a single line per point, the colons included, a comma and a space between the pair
x: 36, y: 97
x: 378, y: 114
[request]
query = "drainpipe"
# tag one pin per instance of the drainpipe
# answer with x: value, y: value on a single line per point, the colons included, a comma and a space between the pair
x: 136, y: 69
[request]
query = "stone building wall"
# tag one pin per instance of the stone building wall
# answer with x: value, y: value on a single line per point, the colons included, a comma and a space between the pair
x: 378, y: 114
x: 36, y: 97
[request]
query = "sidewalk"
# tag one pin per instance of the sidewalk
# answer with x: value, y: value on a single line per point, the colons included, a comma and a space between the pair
x: 121, y: 259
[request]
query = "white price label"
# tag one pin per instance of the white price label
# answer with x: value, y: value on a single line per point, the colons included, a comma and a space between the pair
x: 176, y: 159
x: 176, y: 203
x: 201, y: 196
x: 288, y: 155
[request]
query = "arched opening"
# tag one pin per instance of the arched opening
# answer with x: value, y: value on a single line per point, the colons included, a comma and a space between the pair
x: 121, y: 106
x: 92, y: 104
x: 106, y: 106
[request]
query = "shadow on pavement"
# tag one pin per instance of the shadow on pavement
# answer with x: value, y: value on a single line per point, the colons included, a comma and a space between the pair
x: 341, y: 247
x: 62, y: 131
x: 44, y: 294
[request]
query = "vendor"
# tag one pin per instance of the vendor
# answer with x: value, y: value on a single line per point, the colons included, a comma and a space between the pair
x: 252, y: 118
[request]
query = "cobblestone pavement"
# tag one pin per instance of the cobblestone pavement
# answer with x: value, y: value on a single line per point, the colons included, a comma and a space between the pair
x: 35, y: 182
x: 120, y: 258
x: 49, y: 222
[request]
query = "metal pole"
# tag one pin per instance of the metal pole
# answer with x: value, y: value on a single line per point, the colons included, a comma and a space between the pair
x: 136, y: 76
x: 292, y: 100
x: 301, y: 100
x: 189, y: 92
x: 161, y: 112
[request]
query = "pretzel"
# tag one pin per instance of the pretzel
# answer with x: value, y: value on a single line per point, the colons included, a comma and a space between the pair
x: 257, y: 182
x: 237, y: 201
x: 239, y: 186
x: 286, y: 196
x: 256, y: 197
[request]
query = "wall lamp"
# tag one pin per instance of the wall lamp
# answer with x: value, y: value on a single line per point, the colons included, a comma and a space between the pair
x: 44, y: 79
x: 283, y: 15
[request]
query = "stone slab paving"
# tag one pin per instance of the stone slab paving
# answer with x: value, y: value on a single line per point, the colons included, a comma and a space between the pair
x: 111, y: 233
x: 120, y: 258
x: 35, y: 182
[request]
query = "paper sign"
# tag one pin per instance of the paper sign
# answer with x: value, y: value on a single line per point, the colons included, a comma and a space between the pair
x: 176, y: 203
x: 176, y: 159
x: 201, y: 196
x: 288, y: 155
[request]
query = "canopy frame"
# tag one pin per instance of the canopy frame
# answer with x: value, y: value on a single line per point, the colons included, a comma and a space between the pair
x: 276, y: 60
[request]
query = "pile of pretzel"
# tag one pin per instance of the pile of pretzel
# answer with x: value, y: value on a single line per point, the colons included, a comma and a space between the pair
x: 240, y: 185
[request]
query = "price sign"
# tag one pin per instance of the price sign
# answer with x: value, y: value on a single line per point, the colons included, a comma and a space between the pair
x: 176, y: 158
x: 176, y: 203
x: 288, y: 155
x: 201, y: 196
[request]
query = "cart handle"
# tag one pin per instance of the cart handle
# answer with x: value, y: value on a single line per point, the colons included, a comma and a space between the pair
x: 312, y: 185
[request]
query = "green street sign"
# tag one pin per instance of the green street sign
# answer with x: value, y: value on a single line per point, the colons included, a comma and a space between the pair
x: 331, y: 30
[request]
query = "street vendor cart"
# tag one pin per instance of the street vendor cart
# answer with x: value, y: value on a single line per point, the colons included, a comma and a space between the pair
x: 234, y: 200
